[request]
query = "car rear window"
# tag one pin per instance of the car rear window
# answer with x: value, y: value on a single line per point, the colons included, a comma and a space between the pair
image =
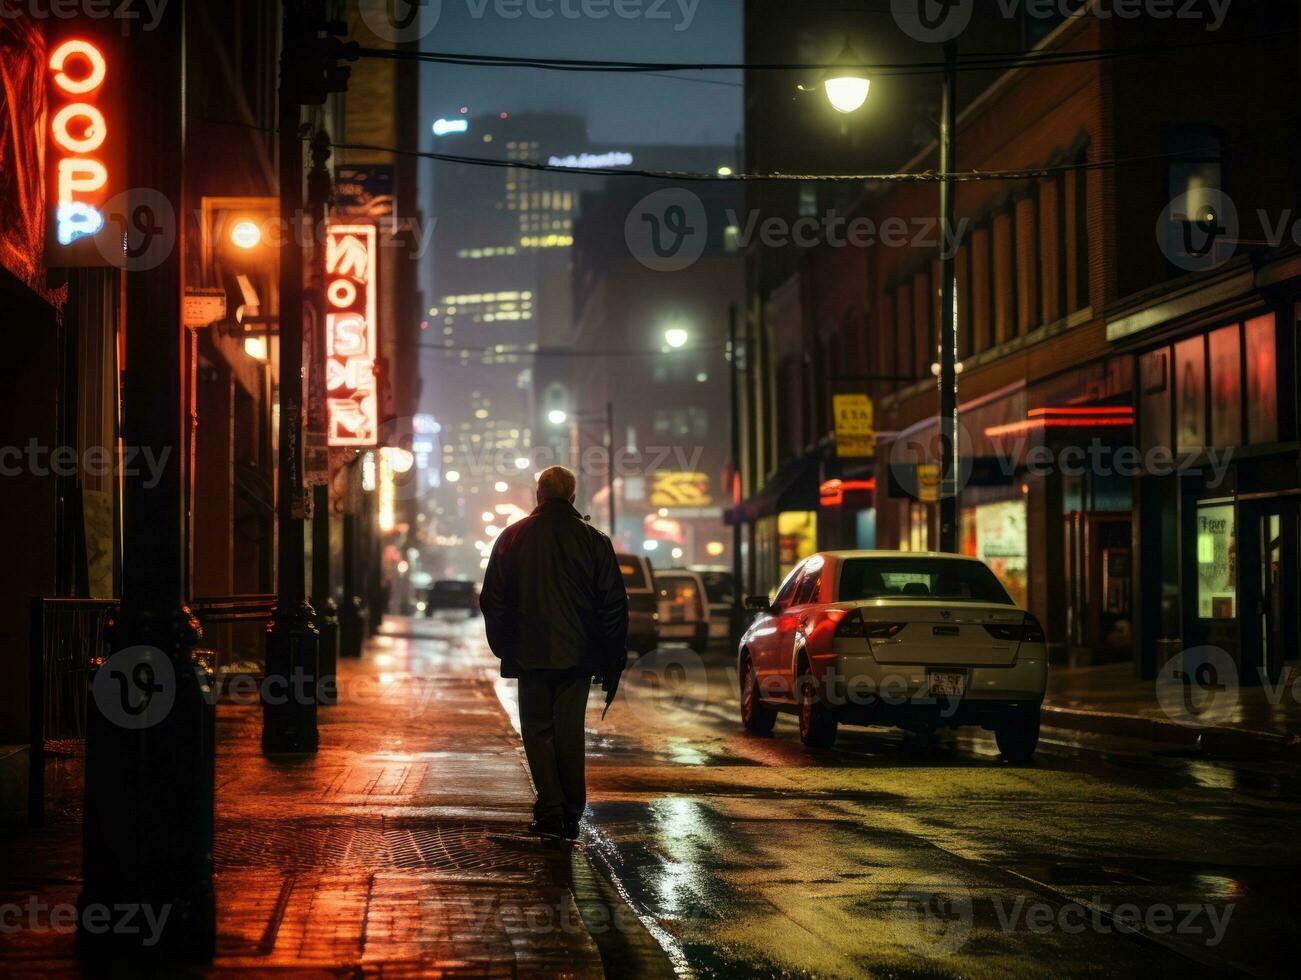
x: 920, y: 578
x: 634, y: 573
x: 718, y: 586
x: 453, y: 586
x: 680, y: 592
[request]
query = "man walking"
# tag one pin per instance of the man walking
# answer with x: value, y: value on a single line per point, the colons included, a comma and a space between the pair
x: 556, y: 615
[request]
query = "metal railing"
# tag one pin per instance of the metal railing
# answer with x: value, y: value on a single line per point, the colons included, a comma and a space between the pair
x: 68, y: 635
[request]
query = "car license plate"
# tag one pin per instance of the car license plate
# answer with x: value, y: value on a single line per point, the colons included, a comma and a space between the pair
x: 948, y: 685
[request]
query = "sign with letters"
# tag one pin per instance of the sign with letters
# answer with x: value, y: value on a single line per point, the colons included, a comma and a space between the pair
x: 351, y: 342
x: 681, y: 489
x: 855, y: 426
x: 85, y: 159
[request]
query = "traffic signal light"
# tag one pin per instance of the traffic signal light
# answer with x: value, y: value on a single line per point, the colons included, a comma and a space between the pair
x: 313, y: 49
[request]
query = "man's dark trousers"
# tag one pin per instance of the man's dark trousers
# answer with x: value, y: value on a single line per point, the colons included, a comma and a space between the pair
x: 552, y: 711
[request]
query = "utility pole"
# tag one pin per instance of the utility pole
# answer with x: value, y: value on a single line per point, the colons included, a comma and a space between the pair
x: 309, y: 73
x: 148, y: 828
x: 320, y: 190
x: 948, y: 340
x: 735, y: 394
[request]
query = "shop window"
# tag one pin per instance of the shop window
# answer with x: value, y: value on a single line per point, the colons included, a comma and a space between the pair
x: 1226, y: 387
x: 1190, y: 394
x: 1000, y: 542
x: 923, y: 334
x: 797, y: 536
x: 903, y: 332
x: 1027, y: 265
x: 1216, y: 562
x: 1077, y: 234
x: 1004, y: 278
x: 1154, y: 398
x: 981, y: 295
x: 1052, y: 232
x: 1262, y: 380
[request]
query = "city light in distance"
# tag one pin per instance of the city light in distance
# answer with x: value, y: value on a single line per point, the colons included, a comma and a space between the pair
x: 522, y: 463
x: 715, y: 549
x: 557, y: 416
x: 452, y: 476
x: 502, y: 486
x: 724, y: 171
x: 676, y: 337
x: 650, y: 545
x: 677, y: 553
x: 488, y: 517
x: 443, y: 127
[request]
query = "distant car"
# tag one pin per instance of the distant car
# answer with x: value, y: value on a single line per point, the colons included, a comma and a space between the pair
x: 916, y: 641
x: 452, y: 594
x: 719, y: 588
x: 643, y: 602
x: 684, y: 608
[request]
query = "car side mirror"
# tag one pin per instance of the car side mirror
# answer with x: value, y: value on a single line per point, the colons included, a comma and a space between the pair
x: 757, y: 603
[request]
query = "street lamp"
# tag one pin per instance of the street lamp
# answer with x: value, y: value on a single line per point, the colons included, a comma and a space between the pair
x: 846, y: 88
x: 846, y: 84
x: 246, y: 235
x: 676, y: 337
x: 557, y: 416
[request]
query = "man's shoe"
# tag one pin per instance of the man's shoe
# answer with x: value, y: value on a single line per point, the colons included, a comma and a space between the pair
x: 550, y: 827
x: 571, y: 830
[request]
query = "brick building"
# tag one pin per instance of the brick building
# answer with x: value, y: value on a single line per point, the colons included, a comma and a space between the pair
x: 1107, y: 366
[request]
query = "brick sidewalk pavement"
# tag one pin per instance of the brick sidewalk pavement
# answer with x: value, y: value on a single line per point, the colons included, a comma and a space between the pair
x: 400, y: 848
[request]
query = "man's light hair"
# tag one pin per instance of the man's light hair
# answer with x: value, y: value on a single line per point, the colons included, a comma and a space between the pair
x: 556, y: 483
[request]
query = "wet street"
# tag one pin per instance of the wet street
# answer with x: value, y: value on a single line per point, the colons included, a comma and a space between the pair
x: 746, y: 855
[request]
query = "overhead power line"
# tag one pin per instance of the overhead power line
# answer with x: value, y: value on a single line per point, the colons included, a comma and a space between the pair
x: 924, y: 176
x: 980, y: 61
x: 518, y: 352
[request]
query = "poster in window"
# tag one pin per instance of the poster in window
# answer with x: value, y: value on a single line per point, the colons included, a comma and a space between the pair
x: 1216, y: 562
x: 1001, y: 544
x: 1262, y: 381
x: 1226, y: 387
x: 1190, y: 394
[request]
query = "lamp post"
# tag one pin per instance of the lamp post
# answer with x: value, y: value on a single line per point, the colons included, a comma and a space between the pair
x: 558, y: 417
x: 846, y: 86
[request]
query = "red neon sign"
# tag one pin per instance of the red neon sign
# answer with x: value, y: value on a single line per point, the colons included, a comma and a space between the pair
x: 1072, y: 417
x: 84, y: 155
x: 351, y: 343
x: 833, y: 492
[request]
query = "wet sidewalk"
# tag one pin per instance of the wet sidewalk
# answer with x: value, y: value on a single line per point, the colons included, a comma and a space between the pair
x: 1208, y: 711
x: 400, y: 848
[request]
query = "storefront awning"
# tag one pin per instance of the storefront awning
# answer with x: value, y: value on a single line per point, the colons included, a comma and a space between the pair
x: 793, y: 487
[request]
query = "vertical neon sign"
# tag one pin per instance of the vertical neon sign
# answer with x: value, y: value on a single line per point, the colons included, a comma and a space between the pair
x: 351, y: 344
x: 83, y: 154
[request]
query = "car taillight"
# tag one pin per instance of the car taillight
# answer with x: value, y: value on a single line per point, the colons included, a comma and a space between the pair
x: 851, y: 625
x: 1034, y: 632
x: 854, y: 625
x: 1000, y: 631
x: 1029, y: 631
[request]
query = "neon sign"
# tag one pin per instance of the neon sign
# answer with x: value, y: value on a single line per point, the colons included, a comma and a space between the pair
x: 84, y: 157
x: 351, y: 347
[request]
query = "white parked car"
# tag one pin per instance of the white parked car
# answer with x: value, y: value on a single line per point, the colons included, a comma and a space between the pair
x: 916, y: 641
x: 683, y: 608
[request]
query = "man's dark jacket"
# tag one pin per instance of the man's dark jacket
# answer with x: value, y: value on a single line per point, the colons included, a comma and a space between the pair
x: 553, y: 597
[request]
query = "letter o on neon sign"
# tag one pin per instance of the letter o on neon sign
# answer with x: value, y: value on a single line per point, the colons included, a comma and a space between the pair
x: 94, y: 132
x: 342, y: 293
x: 94, y: 60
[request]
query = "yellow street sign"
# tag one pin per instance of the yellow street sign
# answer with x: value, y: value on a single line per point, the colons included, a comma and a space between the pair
x: 855, y: 426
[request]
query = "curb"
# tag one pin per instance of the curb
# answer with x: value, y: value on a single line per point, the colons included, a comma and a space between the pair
x: 1215, y: 741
